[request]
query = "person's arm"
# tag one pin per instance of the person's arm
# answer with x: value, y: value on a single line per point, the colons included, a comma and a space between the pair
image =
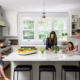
x: 2, y: 56
x: 65, y: 50
x: 47, y: 45
x: 77, y: 52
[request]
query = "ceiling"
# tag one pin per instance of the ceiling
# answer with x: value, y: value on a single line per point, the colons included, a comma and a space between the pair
x: 37, y: 5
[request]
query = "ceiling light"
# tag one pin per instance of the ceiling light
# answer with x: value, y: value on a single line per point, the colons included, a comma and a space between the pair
x: 43, y: 17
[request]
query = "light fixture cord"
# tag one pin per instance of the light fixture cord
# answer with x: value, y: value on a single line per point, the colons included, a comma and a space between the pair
x: 43, y: 5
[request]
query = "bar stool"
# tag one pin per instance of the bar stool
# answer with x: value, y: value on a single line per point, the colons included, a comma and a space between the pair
x: 69, y: 68
x: 48, y: 68
x: 23, y: 68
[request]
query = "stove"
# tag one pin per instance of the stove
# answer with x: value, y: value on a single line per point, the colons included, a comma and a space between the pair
x: 5, y: 51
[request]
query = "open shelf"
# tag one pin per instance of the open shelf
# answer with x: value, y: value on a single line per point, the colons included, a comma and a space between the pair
x: 75, y: 24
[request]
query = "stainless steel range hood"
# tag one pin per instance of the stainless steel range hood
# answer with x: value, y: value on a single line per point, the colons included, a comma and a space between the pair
x: 2, y: 22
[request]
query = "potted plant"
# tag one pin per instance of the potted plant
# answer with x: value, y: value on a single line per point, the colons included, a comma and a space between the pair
x: 64, y: 34
x: 56, y: 48
x: 64, y: 39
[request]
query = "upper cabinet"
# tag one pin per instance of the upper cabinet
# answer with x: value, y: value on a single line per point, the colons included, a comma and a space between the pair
x: 75, y: 24
x: 11, y: 24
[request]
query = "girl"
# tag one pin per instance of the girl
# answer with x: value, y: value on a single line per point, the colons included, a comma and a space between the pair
x: 51, y: 41
x: 70, y: 48
x: 1, y: 67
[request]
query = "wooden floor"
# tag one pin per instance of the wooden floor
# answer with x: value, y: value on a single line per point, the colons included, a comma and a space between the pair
x: 7, y: 72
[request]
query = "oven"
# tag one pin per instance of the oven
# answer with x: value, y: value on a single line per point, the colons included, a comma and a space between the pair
x: 5, y: 51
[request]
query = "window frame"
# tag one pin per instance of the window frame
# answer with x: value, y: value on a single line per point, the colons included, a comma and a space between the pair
x: 65, y: 29
x: 48, y: 19
x: 26, y: 18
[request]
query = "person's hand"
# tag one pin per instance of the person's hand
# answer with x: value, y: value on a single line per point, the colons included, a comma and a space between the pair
x: 76, y: 46
x: 50, y: 49
x: 68, y: 52
x: 75, y: 49
x: 3, y: 56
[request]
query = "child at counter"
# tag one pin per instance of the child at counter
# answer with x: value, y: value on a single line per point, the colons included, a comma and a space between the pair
x: 1, y: 67
x: 70, y: 48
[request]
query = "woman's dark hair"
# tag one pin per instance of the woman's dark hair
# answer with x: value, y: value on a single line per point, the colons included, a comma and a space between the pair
x: 55, y: 38
x: 1, y: 42
x: 72, y: 46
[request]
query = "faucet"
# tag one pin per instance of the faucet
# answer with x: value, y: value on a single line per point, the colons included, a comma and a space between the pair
x: 44, y: 41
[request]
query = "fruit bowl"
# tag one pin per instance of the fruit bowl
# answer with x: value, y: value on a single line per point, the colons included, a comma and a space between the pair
x: 42, y: 50
x: 27, y: 51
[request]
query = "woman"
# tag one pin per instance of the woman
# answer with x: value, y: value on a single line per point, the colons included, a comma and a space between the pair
x: 51, y: 41
x: 1, y: 67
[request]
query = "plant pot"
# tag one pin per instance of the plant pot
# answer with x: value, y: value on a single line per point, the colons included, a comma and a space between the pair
x: 55, y: 52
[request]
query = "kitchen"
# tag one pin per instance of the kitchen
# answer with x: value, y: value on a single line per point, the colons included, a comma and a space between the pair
x: 16, y: 34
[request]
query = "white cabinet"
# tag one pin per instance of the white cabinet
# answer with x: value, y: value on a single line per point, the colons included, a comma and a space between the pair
x: 15, y: 47
x: 11, y: 24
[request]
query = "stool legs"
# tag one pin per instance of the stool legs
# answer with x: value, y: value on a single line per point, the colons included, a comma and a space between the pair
x: 13, y: 75
x: 64, y: 75
x: 61, y: 74
x: 17, y: 75
x: 53, y: 75
x: 75, y: 76
x: 31, y: 75
x: 39, y: 75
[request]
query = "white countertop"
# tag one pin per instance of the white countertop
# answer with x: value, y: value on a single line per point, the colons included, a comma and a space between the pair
x: 61, y: 46
x: 47, y: 56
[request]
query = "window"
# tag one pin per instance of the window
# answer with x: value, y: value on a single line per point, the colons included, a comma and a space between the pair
x: 28, y: 29
x: 44, y: 29
x: 59, y: 28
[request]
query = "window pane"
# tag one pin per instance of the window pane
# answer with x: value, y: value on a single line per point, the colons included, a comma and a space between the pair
x: 28, y: 24
x: 59, y: 34
x: 48, y: 34
x: 28, y: 34
x: 42, y: 34
x: 44, y: 25
x: 59, y: 24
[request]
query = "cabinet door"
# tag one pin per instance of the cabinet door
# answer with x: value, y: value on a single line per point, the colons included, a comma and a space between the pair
x: 11, y: 24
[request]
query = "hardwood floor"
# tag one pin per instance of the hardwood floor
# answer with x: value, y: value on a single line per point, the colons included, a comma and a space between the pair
x: 7, y: 72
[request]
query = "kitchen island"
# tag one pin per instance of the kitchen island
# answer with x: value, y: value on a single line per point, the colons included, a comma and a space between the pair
x: 48, y: 58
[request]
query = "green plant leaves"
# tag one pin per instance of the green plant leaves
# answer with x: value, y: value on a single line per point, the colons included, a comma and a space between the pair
x: 55, y: 47
x: 64, y: 34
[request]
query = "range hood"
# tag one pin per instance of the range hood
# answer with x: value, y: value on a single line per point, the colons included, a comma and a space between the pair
x: 2, y: 22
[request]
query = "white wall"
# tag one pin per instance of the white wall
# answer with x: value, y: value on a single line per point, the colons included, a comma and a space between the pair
x: 37, y: 14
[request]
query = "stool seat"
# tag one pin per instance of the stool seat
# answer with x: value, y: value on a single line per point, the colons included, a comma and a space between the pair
x: 71, y: 68
x: 23, y: 68
x: 47, y: 68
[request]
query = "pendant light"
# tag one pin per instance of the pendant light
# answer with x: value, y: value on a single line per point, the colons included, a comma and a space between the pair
x: 43, y: 17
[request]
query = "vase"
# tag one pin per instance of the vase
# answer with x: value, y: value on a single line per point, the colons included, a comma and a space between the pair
x: 55, y: 52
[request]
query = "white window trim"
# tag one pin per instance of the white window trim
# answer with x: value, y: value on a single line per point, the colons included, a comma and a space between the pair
x: 64, y: 19
x: 49, y: 19
x: 27, y: 18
